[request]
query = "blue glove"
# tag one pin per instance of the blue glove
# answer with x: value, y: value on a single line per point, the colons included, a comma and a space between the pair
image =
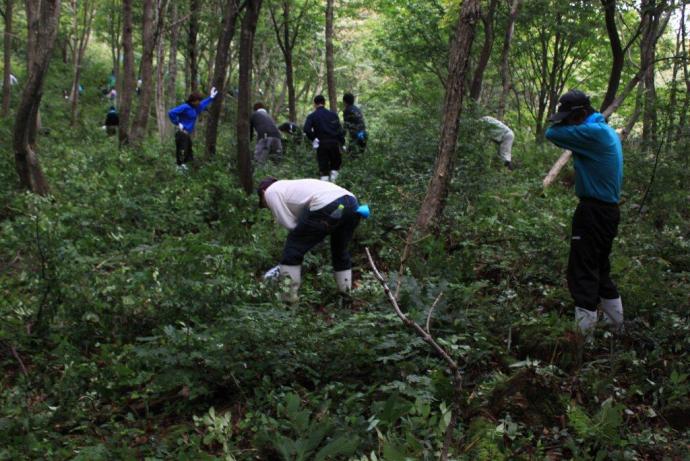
x: 362, y: 135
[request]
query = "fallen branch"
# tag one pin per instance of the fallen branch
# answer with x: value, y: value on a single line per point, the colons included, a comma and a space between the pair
x: 425, y: 334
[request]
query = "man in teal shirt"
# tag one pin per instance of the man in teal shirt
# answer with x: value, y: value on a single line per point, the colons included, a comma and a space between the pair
x: 598, y: 159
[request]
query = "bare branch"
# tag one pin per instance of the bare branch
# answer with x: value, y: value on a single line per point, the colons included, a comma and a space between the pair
x: 431, y: 311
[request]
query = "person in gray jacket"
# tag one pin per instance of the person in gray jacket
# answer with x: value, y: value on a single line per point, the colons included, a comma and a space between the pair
x: 268, y: 136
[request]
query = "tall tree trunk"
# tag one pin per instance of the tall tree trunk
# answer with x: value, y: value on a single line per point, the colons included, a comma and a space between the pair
x: 7, y: 59
x: 650, y: 19
x: 243, y: 99
x: 128, y: 77
x: 172, y: 57
x: 330, y: 62
x: 79, y: 44
x: 220, y: 69
x: 617, y: 54
x: 682, y: 120
x: 26, y: 160
x: 192, y: 47
x: 33, y: 19
x: 434, y: 202
x: 505, y: 55
x: 152, y: 25
x: 160, y: 102
x: 488, y: 21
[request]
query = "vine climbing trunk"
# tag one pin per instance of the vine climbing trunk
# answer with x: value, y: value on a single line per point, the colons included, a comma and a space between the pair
x: 247, y: 33
x: 617, y: 54
x: 220, y: 69
x: 437, y: 191
x: 330, y: 61
x: 27, y: 165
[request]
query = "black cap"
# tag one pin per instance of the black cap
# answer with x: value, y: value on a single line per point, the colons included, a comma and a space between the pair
x: 570, y: 102
x: 263, y: 185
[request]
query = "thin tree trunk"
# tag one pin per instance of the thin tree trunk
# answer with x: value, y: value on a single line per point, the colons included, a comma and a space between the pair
x: 650, y: 17
x: 488, y: 21
x: 192, y: 47
x: 27, y: 165
x: 172, y: 58
x: 617, y: 54
x: 161, y: 113
x: 243, y: 99
x: 505, y: 55
x: 220, y: 69
x: 682, y: 128
x: 81, y: 41
x: 330, y: 62
x: 128, y: 77
x: 152, y: 26
x: 33, y: 19
x: 7, y: 59
x: 432, y: 207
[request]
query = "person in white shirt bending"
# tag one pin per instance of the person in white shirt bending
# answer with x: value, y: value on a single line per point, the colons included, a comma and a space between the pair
x: 502, y: 135
x: 311, y: 209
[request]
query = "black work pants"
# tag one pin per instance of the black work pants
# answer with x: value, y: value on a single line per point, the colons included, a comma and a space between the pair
x: 595, y: 225
x: 328, y: 157
x: 356, y: 146
x: 183, y: 147
x: 314, y: 226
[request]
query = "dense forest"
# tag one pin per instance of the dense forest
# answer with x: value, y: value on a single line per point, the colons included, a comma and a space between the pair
x: 137, y: 316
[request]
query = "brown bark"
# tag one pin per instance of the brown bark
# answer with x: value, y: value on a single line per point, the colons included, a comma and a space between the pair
x: 220, y: 69
x: 330, y: 60
x: 243, y: 99
x: 80, y: 40
x: 617, y: 54
x: 434, y: 201
x: 192, y: 47
x: 160, y: 101
x: 478, y: 79
x: 154, y: 16
x: 172, y: 57
x: 26, y: 160
x: 7, y: 59
x: 286, y: 41
x: 33, y: 20
x: 682, y: 128
x: 505, y: 55
x: 128, y: 77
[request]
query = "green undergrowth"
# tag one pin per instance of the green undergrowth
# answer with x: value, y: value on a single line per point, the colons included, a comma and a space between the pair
x: 132, y: 297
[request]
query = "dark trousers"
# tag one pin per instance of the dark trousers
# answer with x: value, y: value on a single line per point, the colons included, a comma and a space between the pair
x: 314, y: 226
x: 183, y: 147
x: 595, y: 225
x: 357, y: 146
x: 328, y: 156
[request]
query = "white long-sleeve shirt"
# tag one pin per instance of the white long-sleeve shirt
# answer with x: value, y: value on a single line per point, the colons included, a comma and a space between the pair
x: 498, y: 129
x: 287, y: 199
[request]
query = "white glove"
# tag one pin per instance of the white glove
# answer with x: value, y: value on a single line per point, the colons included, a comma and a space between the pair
x: 315, y: 143
x: 272, y: 274
x: 214, y: 93
x: 180, y: 127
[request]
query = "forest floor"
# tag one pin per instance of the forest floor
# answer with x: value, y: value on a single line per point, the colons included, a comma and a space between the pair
x: 135, y: 323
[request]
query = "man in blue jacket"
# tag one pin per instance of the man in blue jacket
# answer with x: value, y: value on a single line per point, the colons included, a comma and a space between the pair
x: 184, y: 118
x: 598, y: 159
x: 323, y: 128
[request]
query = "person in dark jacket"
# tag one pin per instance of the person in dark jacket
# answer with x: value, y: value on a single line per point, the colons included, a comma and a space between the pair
x: 292, y: 131
x: 268, y: 136
x: 598, y: 157
x: 355, y: 125
x: 112, y: 121
x: 323, y: 128
x: 184, y: 118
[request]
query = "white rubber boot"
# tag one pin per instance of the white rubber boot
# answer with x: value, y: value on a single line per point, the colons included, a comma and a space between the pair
x: 613, y: 311
x: 344, y: 280
x: 585, y: 320
x: 325, y: 178
x: 294, y: 273
x: 334, y: 175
